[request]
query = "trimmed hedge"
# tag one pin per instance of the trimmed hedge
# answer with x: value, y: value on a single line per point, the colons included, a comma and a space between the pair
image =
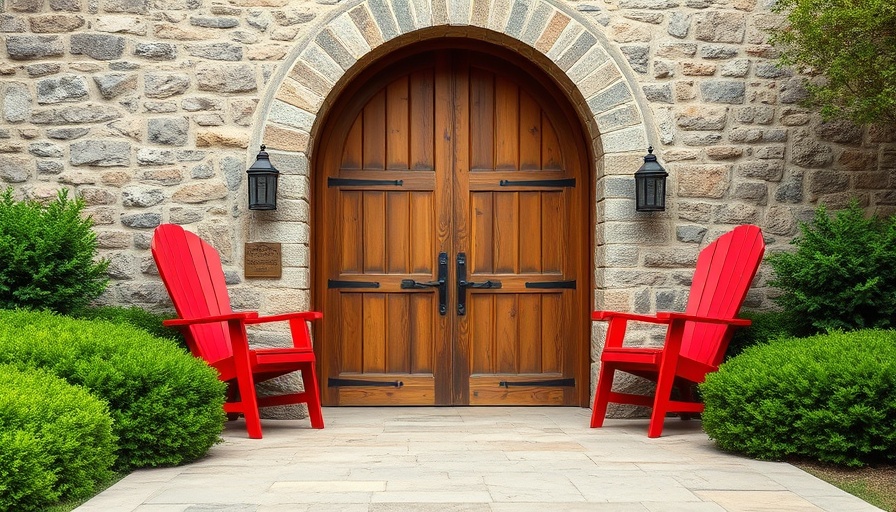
x: 765, y: 326
x: 828, y: 397
x: 135, y: 316
x: 56, y: 440
x: 167, y: 406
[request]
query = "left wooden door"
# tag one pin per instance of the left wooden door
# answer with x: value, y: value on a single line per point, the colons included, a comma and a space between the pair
x: 388, y: 195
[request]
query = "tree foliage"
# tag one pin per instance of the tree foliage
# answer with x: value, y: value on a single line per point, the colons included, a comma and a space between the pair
x: 852, y: 45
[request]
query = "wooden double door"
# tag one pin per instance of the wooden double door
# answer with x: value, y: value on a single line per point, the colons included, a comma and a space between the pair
x: 453, y: 240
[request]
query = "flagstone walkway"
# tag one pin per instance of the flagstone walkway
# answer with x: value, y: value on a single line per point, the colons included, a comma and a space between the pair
x: 471, y: 459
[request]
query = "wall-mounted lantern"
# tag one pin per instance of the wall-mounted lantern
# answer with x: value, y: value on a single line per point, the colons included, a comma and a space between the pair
x: 262, y: 183
x: 650, y: 185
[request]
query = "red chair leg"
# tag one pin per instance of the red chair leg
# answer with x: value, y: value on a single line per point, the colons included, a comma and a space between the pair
x: 312, y: 392
x: 602, y: 395
x: 249, y: 404
x: 661, y: 403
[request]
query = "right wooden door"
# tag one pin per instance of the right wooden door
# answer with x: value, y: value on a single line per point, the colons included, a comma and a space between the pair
x: 455, y: 253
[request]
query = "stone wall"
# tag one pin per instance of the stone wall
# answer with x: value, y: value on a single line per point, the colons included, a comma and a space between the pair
x: 153, y: 109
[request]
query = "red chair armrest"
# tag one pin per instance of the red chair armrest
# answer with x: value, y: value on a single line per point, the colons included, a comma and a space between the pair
x: 181, y: 322
x: 300, y: 315
x: 668, y: 316
x: 301, y: 336
x: 609, y: 315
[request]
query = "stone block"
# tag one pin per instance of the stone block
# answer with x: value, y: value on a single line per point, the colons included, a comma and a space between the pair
x: 121, y: 24
x: 201, y: 192
x: 33, y: 47
x: 45, y: 150
x: 698, y: 68
x: 141, y: 220
x: 779, y: 220
x: 165, y: 85
x: 707, y: 181
x: 679, y: 24
x: 214, y: 22
x: 658, y: 93
x: 156, y: 51
x: 25, y: 5
x: 168, y: 131
x: 702, y: 118
x: 628, y: 139
x: 112, y: 85
x: 736, y: 213
x: 141, y: 196
x: 216, y: 51
x: 97, y: 46
x: 718, y: 51
x: 102, y: 153
x: 233, y: 170
x: 638, y: 56
x: 54, y: 23
x: 66, y: 88
x: 766, y: 170
x: 14, y: 169
x: 226, y: 78
x: 690, y: 233
x: 806, y: 151
x: 16, y: 102
x: 671, y: 258
x: 720, y: 26
x: 821, y: 182
x: 723, y: 91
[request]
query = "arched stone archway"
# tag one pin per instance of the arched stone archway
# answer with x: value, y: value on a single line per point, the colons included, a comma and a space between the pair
x: 564, y: 44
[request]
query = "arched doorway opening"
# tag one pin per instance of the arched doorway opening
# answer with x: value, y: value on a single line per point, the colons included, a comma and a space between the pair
x: 452, y: 233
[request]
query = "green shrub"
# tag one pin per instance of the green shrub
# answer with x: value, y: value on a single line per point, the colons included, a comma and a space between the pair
x: 828, y: 397
x: 765, y: 326
x: 166, y: 404
x: 48, y: 253
x: 841, y: 275
x: 138, y: 317
x: 56, y: 440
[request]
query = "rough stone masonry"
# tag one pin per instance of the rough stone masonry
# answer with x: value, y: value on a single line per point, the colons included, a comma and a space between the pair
x: 151, y: 111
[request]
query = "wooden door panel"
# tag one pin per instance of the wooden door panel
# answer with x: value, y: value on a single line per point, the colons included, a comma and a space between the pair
x: 373, y: 132
x: 482, y: 121
x: 373, y: 232
x: 506, y: 129
x: 421, y: 91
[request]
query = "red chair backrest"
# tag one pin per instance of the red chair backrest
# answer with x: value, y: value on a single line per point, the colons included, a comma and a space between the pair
x: 725, y: 270
x: 192, y: 272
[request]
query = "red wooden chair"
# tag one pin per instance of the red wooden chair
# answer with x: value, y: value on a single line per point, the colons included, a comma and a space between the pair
x: 696, y: 340
x: 192, y: 273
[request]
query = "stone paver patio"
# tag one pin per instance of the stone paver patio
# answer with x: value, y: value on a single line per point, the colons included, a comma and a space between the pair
x: 472, y: 459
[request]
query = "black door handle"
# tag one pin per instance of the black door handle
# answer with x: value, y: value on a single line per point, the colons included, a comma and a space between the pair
x: 463, y: 284
x: 441, y: 283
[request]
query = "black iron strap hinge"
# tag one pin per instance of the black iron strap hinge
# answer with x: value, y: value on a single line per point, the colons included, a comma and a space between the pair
x: 333, y: 283
x: 570, y: 182
x: 552, y: 285
x: 339, y: 383
x: 348, y: 182
x: 541, y: 383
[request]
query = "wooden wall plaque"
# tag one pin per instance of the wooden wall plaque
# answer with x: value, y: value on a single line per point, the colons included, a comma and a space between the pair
x: 263, y: 260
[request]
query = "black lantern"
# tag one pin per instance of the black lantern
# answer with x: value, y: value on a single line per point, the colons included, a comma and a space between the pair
x: 650, y: 185
x: 262, y: 183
